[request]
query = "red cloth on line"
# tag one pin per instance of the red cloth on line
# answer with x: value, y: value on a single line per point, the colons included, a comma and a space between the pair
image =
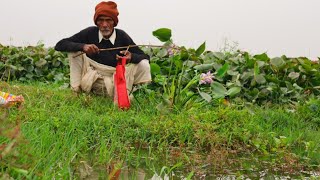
x: 121, y: 85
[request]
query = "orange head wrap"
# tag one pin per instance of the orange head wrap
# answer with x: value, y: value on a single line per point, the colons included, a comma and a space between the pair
x: 106, y: 9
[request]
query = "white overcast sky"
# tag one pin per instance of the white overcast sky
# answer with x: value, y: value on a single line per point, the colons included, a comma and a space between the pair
x: 290, y: 27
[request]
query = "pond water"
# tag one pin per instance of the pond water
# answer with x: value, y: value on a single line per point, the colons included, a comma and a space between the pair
x: 224, y: 167
x: 128, y: 173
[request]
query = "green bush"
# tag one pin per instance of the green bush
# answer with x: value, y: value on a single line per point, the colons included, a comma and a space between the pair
x: 33, y: 63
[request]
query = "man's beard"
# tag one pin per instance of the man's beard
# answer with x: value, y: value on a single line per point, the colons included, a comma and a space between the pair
x: 106, y: 32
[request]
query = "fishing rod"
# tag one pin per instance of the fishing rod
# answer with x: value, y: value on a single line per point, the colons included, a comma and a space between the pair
x: 123, y: 47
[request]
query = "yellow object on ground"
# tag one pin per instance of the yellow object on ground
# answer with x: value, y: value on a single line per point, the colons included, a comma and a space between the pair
x: 8, y: 100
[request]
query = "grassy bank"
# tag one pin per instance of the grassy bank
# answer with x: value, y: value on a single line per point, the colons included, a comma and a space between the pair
x: 62, y: 134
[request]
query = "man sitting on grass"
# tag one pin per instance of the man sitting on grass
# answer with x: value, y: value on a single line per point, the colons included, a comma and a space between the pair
x: 94, y: 70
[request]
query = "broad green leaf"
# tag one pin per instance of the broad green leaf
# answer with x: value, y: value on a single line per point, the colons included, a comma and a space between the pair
x: 297, y: 87
x: 208, y: 57
x: 234, y: 60
x: 29, y: 76
x: 284, y: 90
x: 216, y: 66
x: 218, y: 96
x: 40, y: 63
x: 261, y: 64
x: 307, y: 67
x: 56, y: 63
x: 264, y: 92
x: 184, y: 54
x: 155, y: 68
x: 28, y: 59
x: 218, y: 89
x: 154, y: 59
x: 51, y: 51
x: 260, y: 79
x: 294, y: 75
x: 203, y: 67
x: 38, y: 71
x: 201, y: 49
x: 163, y: 34
x: 246, y: 75
x: 222, y: 71
x: 301, y: 69
x: 48, y: 57
x: 58, y: 77
x: 278, y: 62
x: 233, y: 91
x: 205, y: 96
x: 218, y: 55
x: 253, y: 93
x: 20, y: 68
x: 232, y: 73
x: 50, y: 76
x: 22, y: 79
x: 162, y: 53
x: 262, y: 57
x: 57, y: 54
x: 304, y: 61
x: 189, y: 63
x: 161, y: 79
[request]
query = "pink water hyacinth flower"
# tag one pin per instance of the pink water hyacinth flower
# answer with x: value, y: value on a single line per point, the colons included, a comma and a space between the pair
x: 173, y: 49
x: 206, y: 78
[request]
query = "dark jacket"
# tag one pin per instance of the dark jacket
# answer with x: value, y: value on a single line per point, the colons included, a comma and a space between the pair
x: 90, y: 35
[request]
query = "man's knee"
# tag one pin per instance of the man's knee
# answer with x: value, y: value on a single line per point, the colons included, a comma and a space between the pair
x: 144, y: 65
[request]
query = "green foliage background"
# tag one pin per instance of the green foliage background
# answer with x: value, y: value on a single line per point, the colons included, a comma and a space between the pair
x: 33, y: 63
x: 176, y: 73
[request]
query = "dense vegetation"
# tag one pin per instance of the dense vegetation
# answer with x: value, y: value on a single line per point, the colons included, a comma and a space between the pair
x: 177, y: 72
x: 216, y: 112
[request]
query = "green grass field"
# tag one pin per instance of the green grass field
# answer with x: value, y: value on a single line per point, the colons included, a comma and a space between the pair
x: 63, y: 135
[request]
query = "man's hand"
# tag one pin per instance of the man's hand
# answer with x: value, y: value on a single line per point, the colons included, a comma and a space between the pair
x: 90, y: 49
x: 126, y: 54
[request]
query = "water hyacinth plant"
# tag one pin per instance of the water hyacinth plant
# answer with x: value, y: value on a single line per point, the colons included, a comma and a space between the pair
x: 33, y: 63
x: 259, y: 78
x: 179, y: 73
x: 172, y: 71
x: 182, y: 77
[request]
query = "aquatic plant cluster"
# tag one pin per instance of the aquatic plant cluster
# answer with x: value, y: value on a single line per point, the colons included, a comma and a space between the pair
x: 182, y: 76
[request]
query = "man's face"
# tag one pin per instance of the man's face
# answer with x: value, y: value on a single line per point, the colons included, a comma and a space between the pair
x: 105, y: 25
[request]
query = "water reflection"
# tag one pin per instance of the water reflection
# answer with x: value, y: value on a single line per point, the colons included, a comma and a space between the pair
x: 125, y: 172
